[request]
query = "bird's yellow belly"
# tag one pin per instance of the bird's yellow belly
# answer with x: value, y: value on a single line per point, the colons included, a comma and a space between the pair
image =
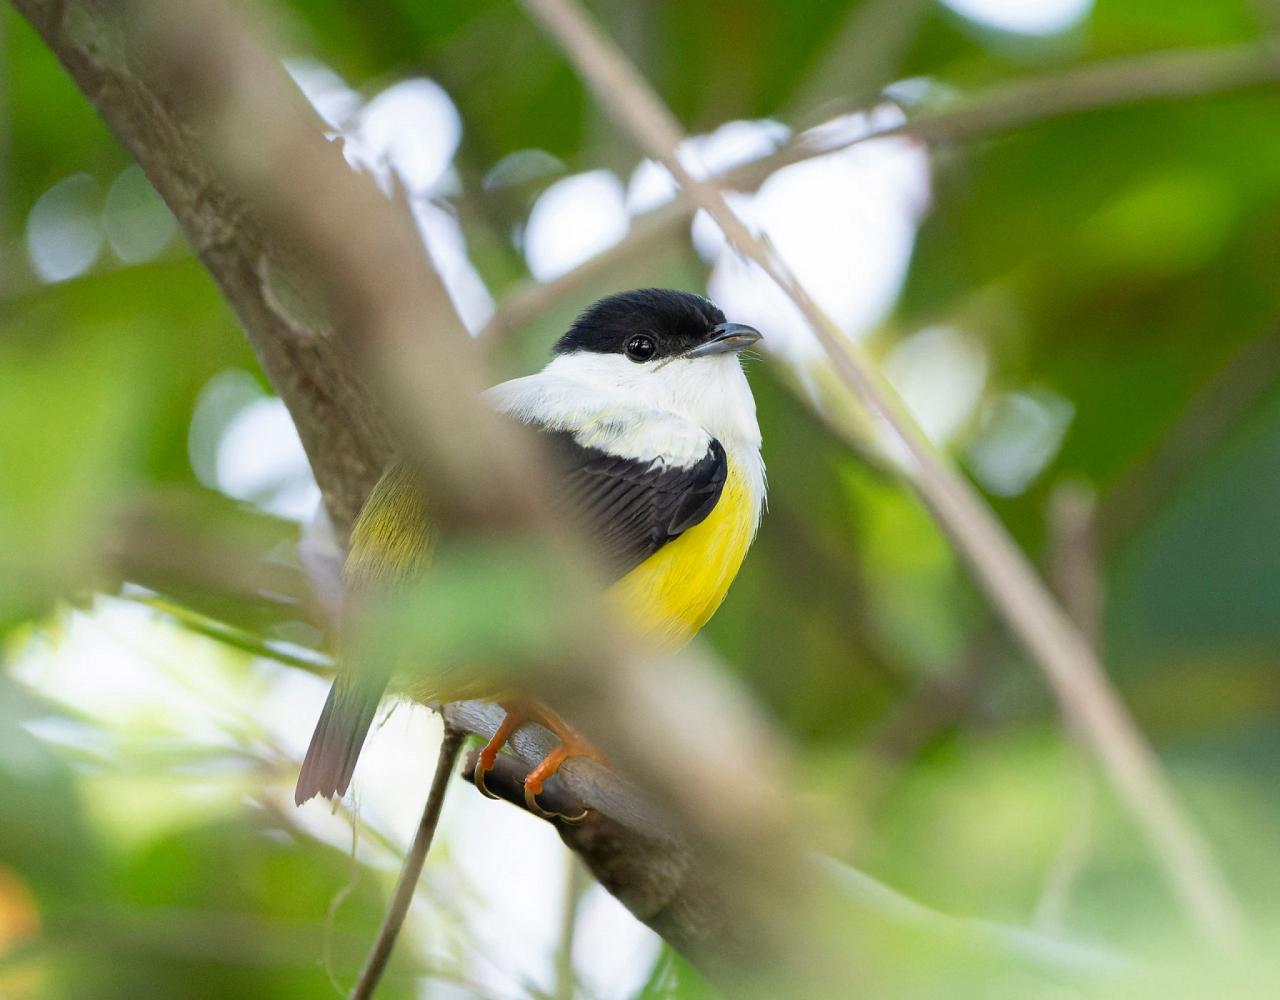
x: 673, y: 593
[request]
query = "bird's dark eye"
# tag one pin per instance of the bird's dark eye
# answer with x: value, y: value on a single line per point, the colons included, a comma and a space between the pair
x: 641, y: 348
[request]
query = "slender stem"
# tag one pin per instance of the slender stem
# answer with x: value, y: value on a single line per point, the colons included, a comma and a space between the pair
x: 862, y: 56
x: 310, y: 660
x: 1194, y: 72
x: 1223, y: 403
x: 1016, y: 591
x: 380, y: 953
x: 1075, y: 574
x: 573, y: 886
x: 998, y: 108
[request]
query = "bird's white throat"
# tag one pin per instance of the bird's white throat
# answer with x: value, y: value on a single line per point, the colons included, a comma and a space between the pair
x: 664, y: 410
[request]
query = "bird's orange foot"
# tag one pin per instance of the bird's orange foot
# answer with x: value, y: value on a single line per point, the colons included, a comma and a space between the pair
x: 570, y: 745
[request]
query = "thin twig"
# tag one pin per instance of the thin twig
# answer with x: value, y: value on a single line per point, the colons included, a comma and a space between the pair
x: 1011, y: 583
x: 376, y: 963
x: 1176, y: 73
x: 862, y: 56
x: 1074, y: 570
x: 1220, y: 406
x: 986, y: 112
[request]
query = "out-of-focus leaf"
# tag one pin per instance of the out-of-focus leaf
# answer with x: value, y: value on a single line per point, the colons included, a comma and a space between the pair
x: 44, y: 838
x: 71, y: 415
x: 234, y: 908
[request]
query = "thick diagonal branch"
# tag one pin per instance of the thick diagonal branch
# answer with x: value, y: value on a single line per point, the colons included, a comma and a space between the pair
x: 335, y: 291
x: 342, y: 430
x: 1055, y: 644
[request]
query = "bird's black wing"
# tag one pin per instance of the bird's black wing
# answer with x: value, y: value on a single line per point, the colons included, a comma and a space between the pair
x: 629, y: 507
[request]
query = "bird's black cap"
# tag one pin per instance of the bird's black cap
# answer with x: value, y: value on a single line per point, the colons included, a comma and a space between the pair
x: 675, y: 321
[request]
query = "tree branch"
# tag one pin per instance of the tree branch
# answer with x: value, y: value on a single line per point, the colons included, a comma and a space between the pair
x: 341, y: 427
x: 660, y: 878
x: 1056, y: 646
x: 336, y: 292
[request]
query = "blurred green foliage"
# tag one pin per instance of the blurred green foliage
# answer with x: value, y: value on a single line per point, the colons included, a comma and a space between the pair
x: 1120, y: 259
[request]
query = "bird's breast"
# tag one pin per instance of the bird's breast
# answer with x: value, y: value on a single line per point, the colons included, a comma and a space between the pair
x: 673, y: 593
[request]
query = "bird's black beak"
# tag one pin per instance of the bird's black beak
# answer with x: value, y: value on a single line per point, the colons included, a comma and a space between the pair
x: 727, y: 338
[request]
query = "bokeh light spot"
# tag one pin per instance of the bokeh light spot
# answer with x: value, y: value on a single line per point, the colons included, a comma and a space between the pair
x: 136, y: 221
x: 1020, y: 434
x: 940, y: 373
x: 63, y: 232
x: 574, y: 219
x: 242, y: 442
x: 1024, y: 17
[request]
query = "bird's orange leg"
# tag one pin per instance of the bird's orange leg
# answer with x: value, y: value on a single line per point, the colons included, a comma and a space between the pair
x: 571, y: 744
x: 517, y: 715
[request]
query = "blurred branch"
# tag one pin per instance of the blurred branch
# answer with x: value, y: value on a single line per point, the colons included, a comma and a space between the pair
x: 334, y: 287
x: 122, y: 934
x: 1168, y: 75
x: 212, y: 555
x: 1172, y: 74
x: 1054, y: 643
x: 939, y: 701
x: 1268, y: 15
x: 697, y: 907
x: 308, y: 660
x: 1225, y: 399
x: 342, y: 429
x: 862, y: 56
x: 1077, y: 579
x: 534, y: 298
x: 1073, y: 556
x: 10, y: 249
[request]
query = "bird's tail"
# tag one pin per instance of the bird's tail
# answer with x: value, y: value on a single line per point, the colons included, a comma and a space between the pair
x: 390, y: 546
x: 338, y: 738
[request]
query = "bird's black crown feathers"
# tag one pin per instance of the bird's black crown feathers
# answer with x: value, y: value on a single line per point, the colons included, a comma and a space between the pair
x: 677, y: 321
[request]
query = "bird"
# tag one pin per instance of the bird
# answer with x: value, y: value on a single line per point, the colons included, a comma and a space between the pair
x: 647, y: 409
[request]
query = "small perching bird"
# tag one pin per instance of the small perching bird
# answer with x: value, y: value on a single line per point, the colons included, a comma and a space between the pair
x: 647, y: 405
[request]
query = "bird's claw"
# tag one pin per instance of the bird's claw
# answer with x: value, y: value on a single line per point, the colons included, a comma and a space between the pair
x: 483, y: 768
x: 531, y: 803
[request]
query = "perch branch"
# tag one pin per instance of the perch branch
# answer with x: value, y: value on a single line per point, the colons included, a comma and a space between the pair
x: 696, y: 917
x: 1054, y: 643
